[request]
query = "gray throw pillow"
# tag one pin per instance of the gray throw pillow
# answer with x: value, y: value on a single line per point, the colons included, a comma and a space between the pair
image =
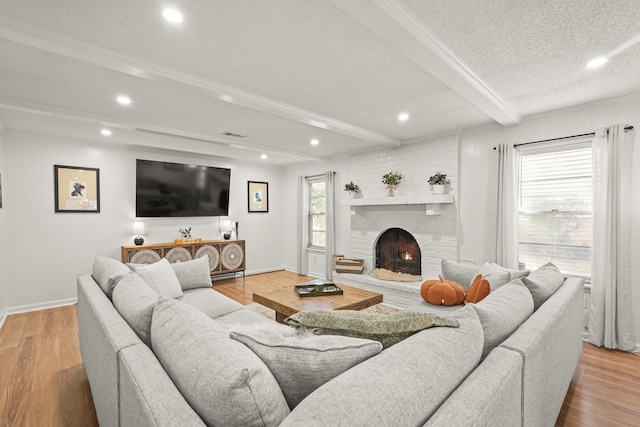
x: 223, y: 381
x: 161, y: 277
x: 388, y: 329
x: 502, y: 312
x: 494, y: 274
x: 460, y: 273
x: 302, y: 362
x: 134, y: 300
x: 193, y: 274
x: 107, y: 272
x: 543, y: 283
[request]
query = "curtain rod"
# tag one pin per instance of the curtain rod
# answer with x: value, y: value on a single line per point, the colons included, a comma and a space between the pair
x: 564, y: 137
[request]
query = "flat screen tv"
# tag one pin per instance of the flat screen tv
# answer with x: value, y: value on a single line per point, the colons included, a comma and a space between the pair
x: 166, y: 189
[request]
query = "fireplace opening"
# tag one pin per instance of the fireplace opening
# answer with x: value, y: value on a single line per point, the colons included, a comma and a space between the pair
x: 397, y: 250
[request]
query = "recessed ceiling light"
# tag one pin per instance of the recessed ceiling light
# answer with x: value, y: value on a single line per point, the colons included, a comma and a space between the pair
x: 105, y: 132
x: 124, y: 100
x: 597, y: 62
x: 403, y: 117
x: 314, y: 142
x: 263, y: 156
x: 172, y: 15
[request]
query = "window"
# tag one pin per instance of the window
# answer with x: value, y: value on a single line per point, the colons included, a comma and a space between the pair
x: 317, y: 217
x: 555, y: 205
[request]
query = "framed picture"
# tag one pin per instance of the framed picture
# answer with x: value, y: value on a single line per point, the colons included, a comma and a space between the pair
x: 258, y: 196
x: 77, y: 189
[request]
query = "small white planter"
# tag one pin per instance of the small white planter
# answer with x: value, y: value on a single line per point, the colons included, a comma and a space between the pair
x: 438, y: 188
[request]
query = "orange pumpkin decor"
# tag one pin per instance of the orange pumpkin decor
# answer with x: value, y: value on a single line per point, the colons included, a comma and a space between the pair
x: 442, y: 292
x: 478, y: 290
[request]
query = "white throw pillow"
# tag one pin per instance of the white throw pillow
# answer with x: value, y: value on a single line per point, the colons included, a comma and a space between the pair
x: 161, y: 277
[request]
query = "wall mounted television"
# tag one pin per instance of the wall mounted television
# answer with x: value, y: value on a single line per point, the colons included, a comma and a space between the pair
x: 166, y: 189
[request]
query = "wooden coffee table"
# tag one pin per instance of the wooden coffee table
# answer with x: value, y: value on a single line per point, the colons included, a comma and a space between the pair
x: 285, y: 300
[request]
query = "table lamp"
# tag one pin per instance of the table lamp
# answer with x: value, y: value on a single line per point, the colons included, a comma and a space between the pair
x: 138, y: 230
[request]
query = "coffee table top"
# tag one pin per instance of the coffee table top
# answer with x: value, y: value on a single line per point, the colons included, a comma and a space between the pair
x: 286, y: 302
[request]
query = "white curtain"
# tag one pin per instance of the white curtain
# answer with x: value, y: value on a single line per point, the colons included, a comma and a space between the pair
x: 507, y: 227
x: 611, y: 312
x: 330, y: 218
x: 303, y: 220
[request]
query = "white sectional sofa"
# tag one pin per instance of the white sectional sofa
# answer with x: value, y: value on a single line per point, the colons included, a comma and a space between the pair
x: 158, y: 361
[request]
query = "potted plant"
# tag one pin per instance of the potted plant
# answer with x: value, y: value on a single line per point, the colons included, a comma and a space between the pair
x: 352, y: 189
x: 438, y: 181
x: 391, y: 179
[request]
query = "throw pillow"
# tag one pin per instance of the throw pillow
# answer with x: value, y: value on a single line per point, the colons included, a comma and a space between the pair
x: 223, y: 381
x: 502, y: 312
x: 193, y: 274
x: 495, y: 276
x: 388, y: 329
x: 459, y: 273
x: 135, y: 300
x: 543, y: 283
x: 478, y: 290
x: 303, y: 362
x: 442, y: 292
x: 107, y: 272
x: 513, y: 273
x: 161, y: 277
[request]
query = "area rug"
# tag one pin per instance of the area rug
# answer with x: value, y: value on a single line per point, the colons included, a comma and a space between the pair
x: 270, y: 314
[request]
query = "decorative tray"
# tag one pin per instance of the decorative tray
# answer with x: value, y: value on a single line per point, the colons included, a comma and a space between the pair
x: 317, y: 288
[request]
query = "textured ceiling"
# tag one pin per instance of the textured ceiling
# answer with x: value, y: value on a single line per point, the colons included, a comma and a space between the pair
x: 283, y: 71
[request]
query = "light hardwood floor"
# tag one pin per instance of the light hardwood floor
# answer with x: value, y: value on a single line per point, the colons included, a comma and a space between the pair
x: 43, y: 381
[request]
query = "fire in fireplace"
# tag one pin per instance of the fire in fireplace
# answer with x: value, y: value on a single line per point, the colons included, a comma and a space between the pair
x: 397, y: 250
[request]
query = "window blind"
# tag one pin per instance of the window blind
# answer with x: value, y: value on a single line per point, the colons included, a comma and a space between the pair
x: 555, y: 206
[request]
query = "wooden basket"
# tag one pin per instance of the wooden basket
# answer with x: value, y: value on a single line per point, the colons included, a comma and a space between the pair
x: 353, y: 266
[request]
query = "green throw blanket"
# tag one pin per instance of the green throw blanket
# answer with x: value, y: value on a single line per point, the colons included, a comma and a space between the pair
x: 388, y: 329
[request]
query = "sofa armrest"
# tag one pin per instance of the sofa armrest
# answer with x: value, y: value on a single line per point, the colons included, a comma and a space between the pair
x: 550, y: 344
x: 102, y: 333
x: 148, y: 397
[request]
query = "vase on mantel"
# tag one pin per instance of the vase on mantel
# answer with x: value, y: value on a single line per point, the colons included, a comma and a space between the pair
x: 390, y: 190
x: 438, y: 188
x: 352, y: 194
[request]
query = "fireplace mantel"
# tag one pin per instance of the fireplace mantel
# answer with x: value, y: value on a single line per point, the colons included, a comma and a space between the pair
x: 433, y: 202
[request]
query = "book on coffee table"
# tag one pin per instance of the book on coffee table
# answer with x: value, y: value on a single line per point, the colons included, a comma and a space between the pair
x: 317, y: 287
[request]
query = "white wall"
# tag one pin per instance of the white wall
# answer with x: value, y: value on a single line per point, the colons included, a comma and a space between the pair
x: 478, y: 177
x: 3, y: 280
x: 44, y: 250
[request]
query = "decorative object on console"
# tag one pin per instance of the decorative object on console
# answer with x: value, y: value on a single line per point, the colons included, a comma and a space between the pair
x: 226, y: 227
x: 352, y: 189
x: 258, y: 193
x: 344, y: 265
x: 442, y: 292
x: 186, y: 236
x: 438, y: 182
x: 391, y: 179
x: 139, y: 231
x: 478, y: 290
x: 76, y: 189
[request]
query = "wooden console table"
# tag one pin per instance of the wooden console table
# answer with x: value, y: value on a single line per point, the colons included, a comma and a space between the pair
x: 225, y: 256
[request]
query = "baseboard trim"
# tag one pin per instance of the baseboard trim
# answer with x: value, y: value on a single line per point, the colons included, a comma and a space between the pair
x: 34, y: 307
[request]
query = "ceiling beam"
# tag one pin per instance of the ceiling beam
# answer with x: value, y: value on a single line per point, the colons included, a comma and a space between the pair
x: 40, y: 38
x: 397, y: 25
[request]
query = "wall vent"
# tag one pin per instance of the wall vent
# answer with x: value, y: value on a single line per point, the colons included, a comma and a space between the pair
x: 235, y: 135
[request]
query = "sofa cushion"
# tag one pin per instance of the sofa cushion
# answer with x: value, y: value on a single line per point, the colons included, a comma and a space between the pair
x: 388, y: 329
x: 495, y: 275
x: 543, y: 283
x: 459, y: 273
x: 161, y: 277
x: 193, y: 274
x: 210, y: 302
x: 401, y: 386
x: 135, y: 300
x: 223, y: 381
x: 302, y: 362
x: 513, y: 273
x: 502, y: 312
x: 107, y: 272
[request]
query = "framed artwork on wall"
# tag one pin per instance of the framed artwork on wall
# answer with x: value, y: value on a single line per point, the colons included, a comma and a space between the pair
x: 76, y: 189
x: 258, y: 196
